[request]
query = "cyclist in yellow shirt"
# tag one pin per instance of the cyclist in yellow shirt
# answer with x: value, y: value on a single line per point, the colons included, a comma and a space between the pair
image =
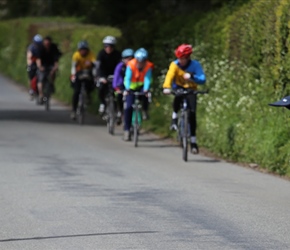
x: 83, y: 60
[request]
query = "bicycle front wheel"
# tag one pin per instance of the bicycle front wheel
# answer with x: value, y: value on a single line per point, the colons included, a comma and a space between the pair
x: 81, y: 109
x: 184, y: 136
x: 111, y: 116
x: 136, y: 128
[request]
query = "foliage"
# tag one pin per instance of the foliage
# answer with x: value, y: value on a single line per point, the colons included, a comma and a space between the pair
x: 244, y: 52
x: 15, y: 35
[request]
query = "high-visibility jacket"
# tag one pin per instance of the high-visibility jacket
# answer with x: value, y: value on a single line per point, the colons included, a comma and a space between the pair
x: 136, y: 78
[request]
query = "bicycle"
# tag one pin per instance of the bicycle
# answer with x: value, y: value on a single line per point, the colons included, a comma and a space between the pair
x: 85, y: 77
x: 183, y: 128
x: 137, y: 115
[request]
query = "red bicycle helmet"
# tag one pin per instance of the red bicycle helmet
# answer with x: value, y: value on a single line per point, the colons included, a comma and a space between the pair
x: 183, y: 50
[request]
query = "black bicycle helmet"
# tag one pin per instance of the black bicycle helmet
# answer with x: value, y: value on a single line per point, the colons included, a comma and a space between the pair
x: 83, y: 45
x: 284, y: 102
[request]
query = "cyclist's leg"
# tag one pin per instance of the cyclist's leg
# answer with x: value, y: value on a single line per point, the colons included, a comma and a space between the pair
x: 52, y: 81
x: 145, y: 105
x: 32, y: 79
x: 103, y: 90
x: 90, y: 86
x: 192, y: 121
x: 120, y: 103
x: 75, y: 97
x: 40, y: 78
x: 176, y: 106
x: 128, y: 111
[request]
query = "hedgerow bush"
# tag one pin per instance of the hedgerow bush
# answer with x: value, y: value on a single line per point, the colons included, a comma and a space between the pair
x: 16, y: 35
x: 245, y: 55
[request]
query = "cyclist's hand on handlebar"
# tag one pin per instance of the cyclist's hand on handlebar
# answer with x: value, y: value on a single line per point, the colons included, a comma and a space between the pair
x: 166, y: 91
x: 103, y: 80
x: 118, y: 90
x: 72, y: 78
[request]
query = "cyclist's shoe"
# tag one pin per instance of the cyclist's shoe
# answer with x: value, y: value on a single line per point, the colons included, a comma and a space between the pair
x: 102, y: 108
x: 127, y: 136
x: 194, y: 148
x: 145, y: 116
x: 31, y: 93
x: 73, y: 115
x: 40, y: 101
x: 119, y: 118
x: 173, y: 125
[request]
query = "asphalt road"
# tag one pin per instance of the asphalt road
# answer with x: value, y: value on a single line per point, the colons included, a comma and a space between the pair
x: 63, y: 186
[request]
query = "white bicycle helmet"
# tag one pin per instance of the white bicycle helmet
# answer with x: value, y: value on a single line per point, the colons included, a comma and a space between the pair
x: 37, y: 38
x: 109, y: 40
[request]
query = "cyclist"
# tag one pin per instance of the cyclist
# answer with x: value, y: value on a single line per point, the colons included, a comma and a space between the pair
x: 184, y: 73
x: 284, y: 102
x: 107, y: 60
x: 138, y: 77
x: 82, y: 59
x: 47, y: 63
x: 118, y: 82
x: 31, y: 55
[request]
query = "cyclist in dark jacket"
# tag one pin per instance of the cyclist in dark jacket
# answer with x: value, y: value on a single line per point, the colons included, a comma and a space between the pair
x: 107, y: 60
x: 47, y: 63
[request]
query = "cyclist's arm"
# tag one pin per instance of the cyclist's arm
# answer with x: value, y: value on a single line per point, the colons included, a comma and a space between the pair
x: 118, y: 78
x: 74, y: 64
x: 39, y: 64
x: 147, y: 80
x: 94, y: 64
x: 55, y: 66
x: 199, y: 76
x: 128, y: 77
x: 29, y: 57
x: 73, y: 68
x: 99, y: 70
x: 169, y: 76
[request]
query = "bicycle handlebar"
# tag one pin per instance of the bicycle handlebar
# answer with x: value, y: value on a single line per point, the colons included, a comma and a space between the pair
x: 139, y: 93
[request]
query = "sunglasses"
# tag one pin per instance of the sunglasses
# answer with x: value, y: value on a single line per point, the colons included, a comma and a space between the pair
x: 108, y: 45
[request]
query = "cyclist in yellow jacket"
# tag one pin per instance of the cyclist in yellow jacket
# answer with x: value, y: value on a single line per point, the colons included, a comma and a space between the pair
x: 184, y: 73
x: 83, y: 60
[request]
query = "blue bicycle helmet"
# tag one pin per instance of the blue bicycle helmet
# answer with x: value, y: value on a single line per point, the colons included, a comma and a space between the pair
x: 127, y: 53
x: 141, y: 55
x: 83, y: 45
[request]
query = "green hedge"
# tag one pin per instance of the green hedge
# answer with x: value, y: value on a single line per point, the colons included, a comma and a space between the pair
x: 244, y: 52
x: 15, y: 35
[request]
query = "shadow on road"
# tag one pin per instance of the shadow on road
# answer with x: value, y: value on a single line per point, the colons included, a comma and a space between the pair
x: 204, y: 160
x: 77, y: 235
x: 42, y: 116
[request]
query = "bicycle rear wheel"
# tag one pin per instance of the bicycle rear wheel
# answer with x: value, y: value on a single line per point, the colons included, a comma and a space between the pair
x: 184, y: 136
